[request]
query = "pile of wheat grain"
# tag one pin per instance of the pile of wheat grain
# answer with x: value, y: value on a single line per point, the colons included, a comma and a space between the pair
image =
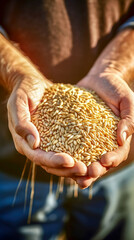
x: 75, y: 121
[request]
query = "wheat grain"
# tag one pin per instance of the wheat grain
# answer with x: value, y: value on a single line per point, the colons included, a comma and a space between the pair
x: 75, y: 121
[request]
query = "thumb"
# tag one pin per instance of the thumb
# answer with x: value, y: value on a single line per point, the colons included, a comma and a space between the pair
x: 28, y: 131
x: 31, y: 141
x: 19, y: 114
x: 124, y: 130
x: 126, y: 124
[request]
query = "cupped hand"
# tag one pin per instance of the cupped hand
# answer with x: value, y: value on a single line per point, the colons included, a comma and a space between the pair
x: 120, y: 98
x: 22, y: 102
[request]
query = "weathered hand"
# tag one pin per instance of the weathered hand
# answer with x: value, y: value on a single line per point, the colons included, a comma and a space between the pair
x: 26, y: 86
x: 120, y: 98
x: 22, y: 102
x: 108, y: 82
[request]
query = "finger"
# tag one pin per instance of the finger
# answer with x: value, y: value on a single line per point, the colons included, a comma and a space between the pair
x: 48, y: 159
x: 79, y: 169
x: 16, y: 139
x: 19, y: 115
x: 84, y: 182
x: 51, y: 159
x: 95, y: 170
x: 126, y: 124
x: 114, y: 158
x: 39, y: 156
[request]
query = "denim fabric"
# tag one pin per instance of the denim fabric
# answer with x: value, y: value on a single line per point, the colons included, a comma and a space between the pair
x: 128, y: 24
x: 109, y: 215
x: 3, y: 32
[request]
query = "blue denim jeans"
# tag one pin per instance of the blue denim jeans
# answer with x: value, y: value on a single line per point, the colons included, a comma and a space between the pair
x: 109, y: 215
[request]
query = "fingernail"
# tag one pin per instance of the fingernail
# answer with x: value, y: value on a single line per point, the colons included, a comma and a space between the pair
x: 106, y: 163
x: 31, y: 140
x: 124, y: 136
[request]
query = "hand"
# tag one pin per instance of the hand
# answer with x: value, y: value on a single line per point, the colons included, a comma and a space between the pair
x: 26, y: 84
x: 107, y: 80
x: 22, y: 102
x: 120, y: 98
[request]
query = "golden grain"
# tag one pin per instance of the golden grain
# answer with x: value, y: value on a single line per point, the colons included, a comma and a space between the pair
x: 75, y: 121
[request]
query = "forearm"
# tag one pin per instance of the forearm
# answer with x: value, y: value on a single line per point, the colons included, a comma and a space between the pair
x: 14, y: 66
x: 117, y: 59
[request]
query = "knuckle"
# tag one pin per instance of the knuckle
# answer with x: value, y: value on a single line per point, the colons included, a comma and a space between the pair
x: 130, y: 126
x: 17, y: 127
